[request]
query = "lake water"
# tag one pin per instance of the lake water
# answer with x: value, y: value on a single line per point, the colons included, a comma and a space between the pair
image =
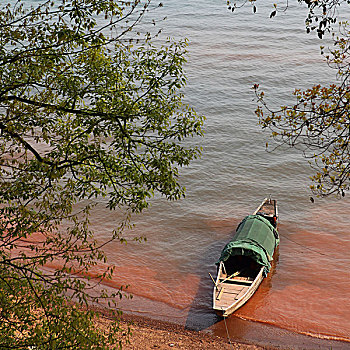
x: 304, y: 302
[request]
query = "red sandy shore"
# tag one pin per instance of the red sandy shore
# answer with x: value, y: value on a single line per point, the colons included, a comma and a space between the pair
x: 150, y: 334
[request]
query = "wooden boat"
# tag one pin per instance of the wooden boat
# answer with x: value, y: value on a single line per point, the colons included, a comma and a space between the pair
x: 245, y: 260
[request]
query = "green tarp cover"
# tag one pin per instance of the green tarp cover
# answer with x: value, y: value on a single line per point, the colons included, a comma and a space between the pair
x: 255, y: 237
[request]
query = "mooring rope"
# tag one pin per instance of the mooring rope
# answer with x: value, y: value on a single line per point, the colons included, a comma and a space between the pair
x: 228, y: 334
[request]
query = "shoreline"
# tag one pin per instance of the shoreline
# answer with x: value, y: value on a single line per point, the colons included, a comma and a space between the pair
x: 148, y: 333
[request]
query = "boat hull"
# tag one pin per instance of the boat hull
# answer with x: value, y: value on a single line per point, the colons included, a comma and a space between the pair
x: 230, y: 295
x: 246, y: 259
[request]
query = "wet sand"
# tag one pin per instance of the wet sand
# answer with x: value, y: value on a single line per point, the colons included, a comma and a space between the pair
x: 147, y: 334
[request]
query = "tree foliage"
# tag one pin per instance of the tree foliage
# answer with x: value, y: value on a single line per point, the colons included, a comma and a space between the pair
x: 318, y: 122
x: 89, y: 109
x: 322, y: 14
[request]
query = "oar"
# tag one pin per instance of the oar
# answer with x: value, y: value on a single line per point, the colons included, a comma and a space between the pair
x: 233, y: 275
x: 212, y: 279
x: 227, y: 278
